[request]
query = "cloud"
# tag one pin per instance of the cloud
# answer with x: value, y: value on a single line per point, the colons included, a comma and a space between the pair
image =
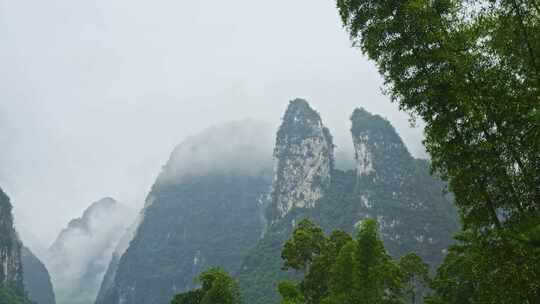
x: 79, y: 257
x: 240, y: 147
x: 96, y: 94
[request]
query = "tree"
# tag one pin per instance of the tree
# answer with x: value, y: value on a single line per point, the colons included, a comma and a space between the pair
x: 471, y: 71
x: 316, y: 281
x: 475, y: 271
x: 307, y: 243
x: 290, y: 292
x: 341, y: 270
x: 190, y: 297
x: 415, y: 274
x: 452, y: 65
x: 309, y: 251
x: 343, y: 279
x: 217, y: 287
x: 377, y: 276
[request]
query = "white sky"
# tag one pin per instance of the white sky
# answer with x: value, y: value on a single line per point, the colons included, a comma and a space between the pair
x: 94, y: 95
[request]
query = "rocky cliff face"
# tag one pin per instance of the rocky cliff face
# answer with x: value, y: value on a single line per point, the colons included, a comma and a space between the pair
x: 11, y: 269
x: 398, y: 190
x: 37, y: 281
x: 388, y: 184
x: 304, y: 160
x: 80, y: 255
x: 204, y: 210
x: 10, y: 246
x: 378, y: 149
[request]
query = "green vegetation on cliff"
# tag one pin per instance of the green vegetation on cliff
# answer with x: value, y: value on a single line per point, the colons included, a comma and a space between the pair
x: 10, y: 295
x: 11, y: 271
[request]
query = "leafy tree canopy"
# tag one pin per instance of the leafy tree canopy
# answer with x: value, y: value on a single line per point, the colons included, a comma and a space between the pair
x: 415, y: 274
x: 217, y: 286
x: 471, y: 70
x: 346, y: 270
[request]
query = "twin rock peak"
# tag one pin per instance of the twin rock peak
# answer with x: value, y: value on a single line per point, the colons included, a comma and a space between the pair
x: 304, y: 154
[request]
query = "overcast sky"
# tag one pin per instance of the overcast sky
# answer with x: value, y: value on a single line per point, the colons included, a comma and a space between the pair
x: 94, y: 95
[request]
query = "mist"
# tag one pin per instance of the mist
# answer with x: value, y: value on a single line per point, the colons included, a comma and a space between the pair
x: 94, y: 95
x: 79, y: 257
x: 239, y: 147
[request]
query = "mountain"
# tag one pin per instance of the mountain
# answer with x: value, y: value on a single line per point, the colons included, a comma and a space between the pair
x: 388, y: 184
x: 36, y: 280
x: 203, y: 210
x: 305, y: 155
x: 79, y: 257
x: 11, y: 272
x: 219, y: 200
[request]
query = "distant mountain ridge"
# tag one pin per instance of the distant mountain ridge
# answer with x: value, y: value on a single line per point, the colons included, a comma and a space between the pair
x: 79, y: 257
